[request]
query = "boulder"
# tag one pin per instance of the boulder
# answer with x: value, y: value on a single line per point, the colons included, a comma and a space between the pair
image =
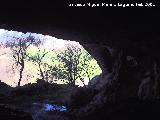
x: 94, y: 81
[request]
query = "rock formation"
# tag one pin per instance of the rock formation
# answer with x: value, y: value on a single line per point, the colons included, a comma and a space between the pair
x: 124, y: 43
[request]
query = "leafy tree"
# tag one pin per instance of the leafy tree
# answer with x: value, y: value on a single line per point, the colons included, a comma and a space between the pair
x: 37, y: 59
x: 74, y: 64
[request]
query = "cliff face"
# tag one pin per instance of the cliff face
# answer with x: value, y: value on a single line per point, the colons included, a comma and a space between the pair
x: 125, y: 45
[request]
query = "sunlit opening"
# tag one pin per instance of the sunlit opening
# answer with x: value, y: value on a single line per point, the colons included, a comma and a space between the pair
x: 45, y: 58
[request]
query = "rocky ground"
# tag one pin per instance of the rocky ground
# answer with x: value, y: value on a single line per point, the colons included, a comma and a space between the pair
x: 26, y: 102
x: 13, y: 100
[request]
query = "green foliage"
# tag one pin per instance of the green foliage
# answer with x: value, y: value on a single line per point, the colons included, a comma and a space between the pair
x: 68, y: 66
x: 74, y: 64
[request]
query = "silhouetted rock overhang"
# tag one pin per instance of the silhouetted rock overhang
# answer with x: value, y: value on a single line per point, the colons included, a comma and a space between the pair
x: 136, y: 32
x: 86, y: 25
x: 133, y: 29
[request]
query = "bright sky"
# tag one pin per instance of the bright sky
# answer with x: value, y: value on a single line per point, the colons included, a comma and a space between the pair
x: 52, y: 41
x: 2, y: 31
x: 49, y: 40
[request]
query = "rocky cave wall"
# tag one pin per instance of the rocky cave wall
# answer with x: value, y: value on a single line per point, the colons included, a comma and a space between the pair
x: 125, y: 46
x: 104, y: 35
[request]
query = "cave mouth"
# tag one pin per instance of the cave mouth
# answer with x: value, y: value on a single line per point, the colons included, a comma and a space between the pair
x: 44, y: 52
x: 41, y: 71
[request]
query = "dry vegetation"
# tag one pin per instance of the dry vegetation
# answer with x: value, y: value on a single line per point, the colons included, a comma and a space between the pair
x: 9, y: 74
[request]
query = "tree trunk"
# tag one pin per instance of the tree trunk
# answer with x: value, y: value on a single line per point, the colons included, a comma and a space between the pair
x: 21, y: 72
x: 41, y: 72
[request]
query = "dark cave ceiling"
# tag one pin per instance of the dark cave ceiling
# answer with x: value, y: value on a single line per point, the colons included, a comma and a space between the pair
x: 93, y: 25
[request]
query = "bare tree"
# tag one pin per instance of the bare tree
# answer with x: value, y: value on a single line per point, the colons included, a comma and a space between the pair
x: 19, y: 48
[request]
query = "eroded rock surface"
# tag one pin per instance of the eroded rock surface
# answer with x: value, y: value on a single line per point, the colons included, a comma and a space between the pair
x: 125, y: 45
